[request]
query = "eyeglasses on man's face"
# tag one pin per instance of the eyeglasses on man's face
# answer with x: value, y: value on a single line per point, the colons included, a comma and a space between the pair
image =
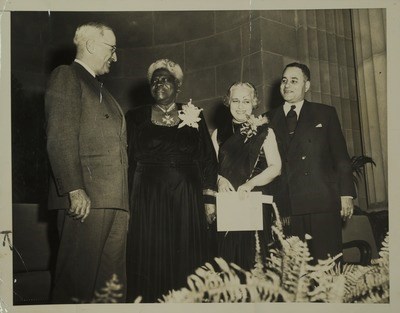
x: 113, y: 47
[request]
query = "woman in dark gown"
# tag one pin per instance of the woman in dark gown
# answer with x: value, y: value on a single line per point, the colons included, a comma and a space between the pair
x: 248, y: 161
x: 173, y: 173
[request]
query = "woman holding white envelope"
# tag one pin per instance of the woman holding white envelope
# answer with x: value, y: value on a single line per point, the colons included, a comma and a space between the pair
x: 249, y: 160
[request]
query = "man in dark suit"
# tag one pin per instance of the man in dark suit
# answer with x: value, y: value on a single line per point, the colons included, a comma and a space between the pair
x: 86, y: 144
x: 316, y: 187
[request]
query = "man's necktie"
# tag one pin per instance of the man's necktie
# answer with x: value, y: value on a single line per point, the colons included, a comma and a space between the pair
x: 291, y: 120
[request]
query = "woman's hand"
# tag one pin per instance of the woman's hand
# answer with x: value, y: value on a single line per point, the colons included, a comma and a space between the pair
x: 224, y: 185
x: 244, y: 189
x: 211, y: 212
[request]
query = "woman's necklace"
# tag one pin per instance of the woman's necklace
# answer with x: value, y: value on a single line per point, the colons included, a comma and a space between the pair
x: 167, y: 119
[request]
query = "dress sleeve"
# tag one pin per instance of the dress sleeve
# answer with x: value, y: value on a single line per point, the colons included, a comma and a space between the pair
x: 63, y: 108
x: 272, y: 155
x: 214, y: 141
x: 208, y: 162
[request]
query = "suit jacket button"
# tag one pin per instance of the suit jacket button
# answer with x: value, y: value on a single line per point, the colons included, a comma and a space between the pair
x: 303, y: 157
x: 306, y: 173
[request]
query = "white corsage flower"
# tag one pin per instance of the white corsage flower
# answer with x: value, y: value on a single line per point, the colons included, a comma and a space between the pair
x: 249, y: 128
x: 189, y: 115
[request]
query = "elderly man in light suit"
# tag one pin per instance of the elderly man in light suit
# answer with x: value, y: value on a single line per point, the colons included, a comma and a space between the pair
x: 316, y: 186
x: 86, y: 144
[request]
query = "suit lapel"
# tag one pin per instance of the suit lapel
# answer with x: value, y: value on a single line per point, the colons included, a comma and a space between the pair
x: 114, y: 102
x: 87, y: 77
x: 305, y: 122
x: 104, y: 95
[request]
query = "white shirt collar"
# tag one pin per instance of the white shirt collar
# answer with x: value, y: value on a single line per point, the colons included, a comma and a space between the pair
x: 287, y: 106
x: 86, y: 67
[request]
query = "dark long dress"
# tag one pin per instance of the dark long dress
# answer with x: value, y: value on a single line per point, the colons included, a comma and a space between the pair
x: 239, y: 161
x: 169, y: 236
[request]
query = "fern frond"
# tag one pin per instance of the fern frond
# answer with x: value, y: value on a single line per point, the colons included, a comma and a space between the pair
x: 110, y: 293
x: 287, y: 275
x: 370, y: 283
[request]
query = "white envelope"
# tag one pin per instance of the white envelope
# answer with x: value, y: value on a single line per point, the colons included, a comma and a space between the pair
x: 234, y: 214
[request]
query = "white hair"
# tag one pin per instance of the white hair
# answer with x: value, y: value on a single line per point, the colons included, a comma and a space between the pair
x: 88, y: 31
x: 255, y: 100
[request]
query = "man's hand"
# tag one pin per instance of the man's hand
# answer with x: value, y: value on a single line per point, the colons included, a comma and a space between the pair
x: 80, y: 204
x: 347, y: 208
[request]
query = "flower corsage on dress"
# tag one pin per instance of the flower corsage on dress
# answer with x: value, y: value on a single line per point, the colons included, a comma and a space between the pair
x: 189, y: 115
x: 250, y: 127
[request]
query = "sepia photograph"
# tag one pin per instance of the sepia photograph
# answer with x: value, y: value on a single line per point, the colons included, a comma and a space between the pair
x: 219, y: 156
